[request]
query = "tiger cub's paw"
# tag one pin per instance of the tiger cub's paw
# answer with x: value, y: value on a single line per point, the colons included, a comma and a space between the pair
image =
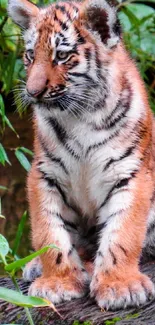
x: 32, y: 270
x: 57, y: 289
x: 115, y: 293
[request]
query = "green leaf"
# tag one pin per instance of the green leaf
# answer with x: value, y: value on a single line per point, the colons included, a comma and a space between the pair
x: 22, y: 159
x: 18, y: 264
x: 2, y: 107
x: 4, y: 246
x: 19, y: 299
x: 3, y: 156
x: 29, y: 152
x: 10, y: 126
x: 3, y: 4
x: 19, y: 233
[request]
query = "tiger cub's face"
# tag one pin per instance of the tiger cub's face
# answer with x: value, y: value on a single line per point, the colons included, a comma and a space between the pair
x: 67, y: 49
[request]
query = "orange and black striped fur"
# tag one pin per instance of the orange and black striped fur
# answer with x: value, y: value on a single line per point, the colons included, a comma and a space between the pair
x: 91, y: 185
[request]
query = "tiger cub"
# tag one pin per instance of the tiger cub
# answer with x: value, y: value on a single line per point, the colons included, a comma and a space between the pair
x: 91, y: 185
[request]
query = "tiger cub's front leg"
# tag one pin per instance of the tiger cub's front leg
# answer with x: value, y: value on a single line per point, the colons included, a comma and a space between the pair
x: 117, y: 281
x: 63, y: 275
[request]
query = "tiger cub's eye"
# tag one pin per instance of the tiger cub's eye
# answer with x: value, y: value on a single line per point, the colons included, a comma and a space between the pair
x: 30, y: 55
x: 62, y: 55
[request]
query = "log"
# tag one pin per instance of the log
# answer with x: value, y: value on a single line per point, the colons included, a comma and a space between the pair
x: 84, y: 309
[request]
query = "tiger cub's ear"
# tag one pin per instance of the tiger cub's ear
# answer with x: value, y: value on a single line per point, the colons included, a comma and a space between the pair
x: 22, y: 11
x: 101, y: 17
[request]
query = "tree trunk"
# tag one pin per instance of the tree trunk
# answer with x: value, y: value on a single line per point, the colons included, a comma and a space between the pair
x: 84, y: 309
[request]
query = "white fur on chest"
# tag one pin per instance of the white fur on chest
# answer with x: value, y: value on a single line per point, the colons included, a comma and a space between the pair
x: 87, y: 184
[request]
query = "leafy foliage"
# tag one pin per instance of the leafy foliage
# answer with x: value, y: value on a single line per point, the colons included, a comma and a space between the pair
x: 138, y: 22
x: 6, y: 254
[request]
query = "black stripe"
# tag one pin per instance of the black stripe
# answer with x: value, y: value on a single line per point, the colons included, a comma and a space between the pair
x: 54, y: 183
x: 53, y: 158
x: 70, y: 224
x: 59, y: 130
x: 73, y: 64
x: 39, y: 163
x: 100, y: 254
x: 88, y: 58
x: 121, y: 183
x: 127, y: 153
x: 123, y: 105
x: 102, y: 143
x: 84, y: 76
x: 98, y: 64
x: 62, y: 136
x: 118, y: 118
x: 114, y: 260
x: 64, y: 11
x: 80, y: 38
x: 122, y: 249
x: 71, y: 250
x: 95, y: 229
x: 151, y: 228
x: 62, y: 24
x: 59, y: 258
x: 65, y: 44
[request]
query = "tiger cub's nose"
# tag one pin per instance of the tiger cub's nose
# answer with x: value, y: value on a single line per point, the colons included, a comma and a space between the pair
x: 35, y: 92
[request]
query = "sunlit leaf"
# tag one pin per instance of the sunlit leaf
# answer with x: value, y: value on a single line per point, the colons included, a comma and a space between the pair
x: 4, y: 246
x: 19, y: 299
x: 29, y: 152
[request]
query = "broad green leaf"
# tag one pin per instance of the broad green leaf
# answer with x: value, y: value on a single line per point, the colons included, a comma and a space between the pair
x: 4, y: 246
x: 18, y: 264
x: 140, y: 10
x: 3, y: 156
x: 17, y: 298
x: 29, y: 152
x: 22, y: 159
x: 19, y: 233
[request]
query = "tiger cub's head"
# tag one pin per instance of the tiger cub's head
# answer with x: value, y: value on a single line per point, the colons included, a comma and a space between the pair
x: 68, y: 46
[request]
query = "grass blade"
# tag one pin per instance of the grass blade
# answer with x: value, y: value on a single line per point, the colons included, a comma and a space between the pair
x: 19, y: 233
